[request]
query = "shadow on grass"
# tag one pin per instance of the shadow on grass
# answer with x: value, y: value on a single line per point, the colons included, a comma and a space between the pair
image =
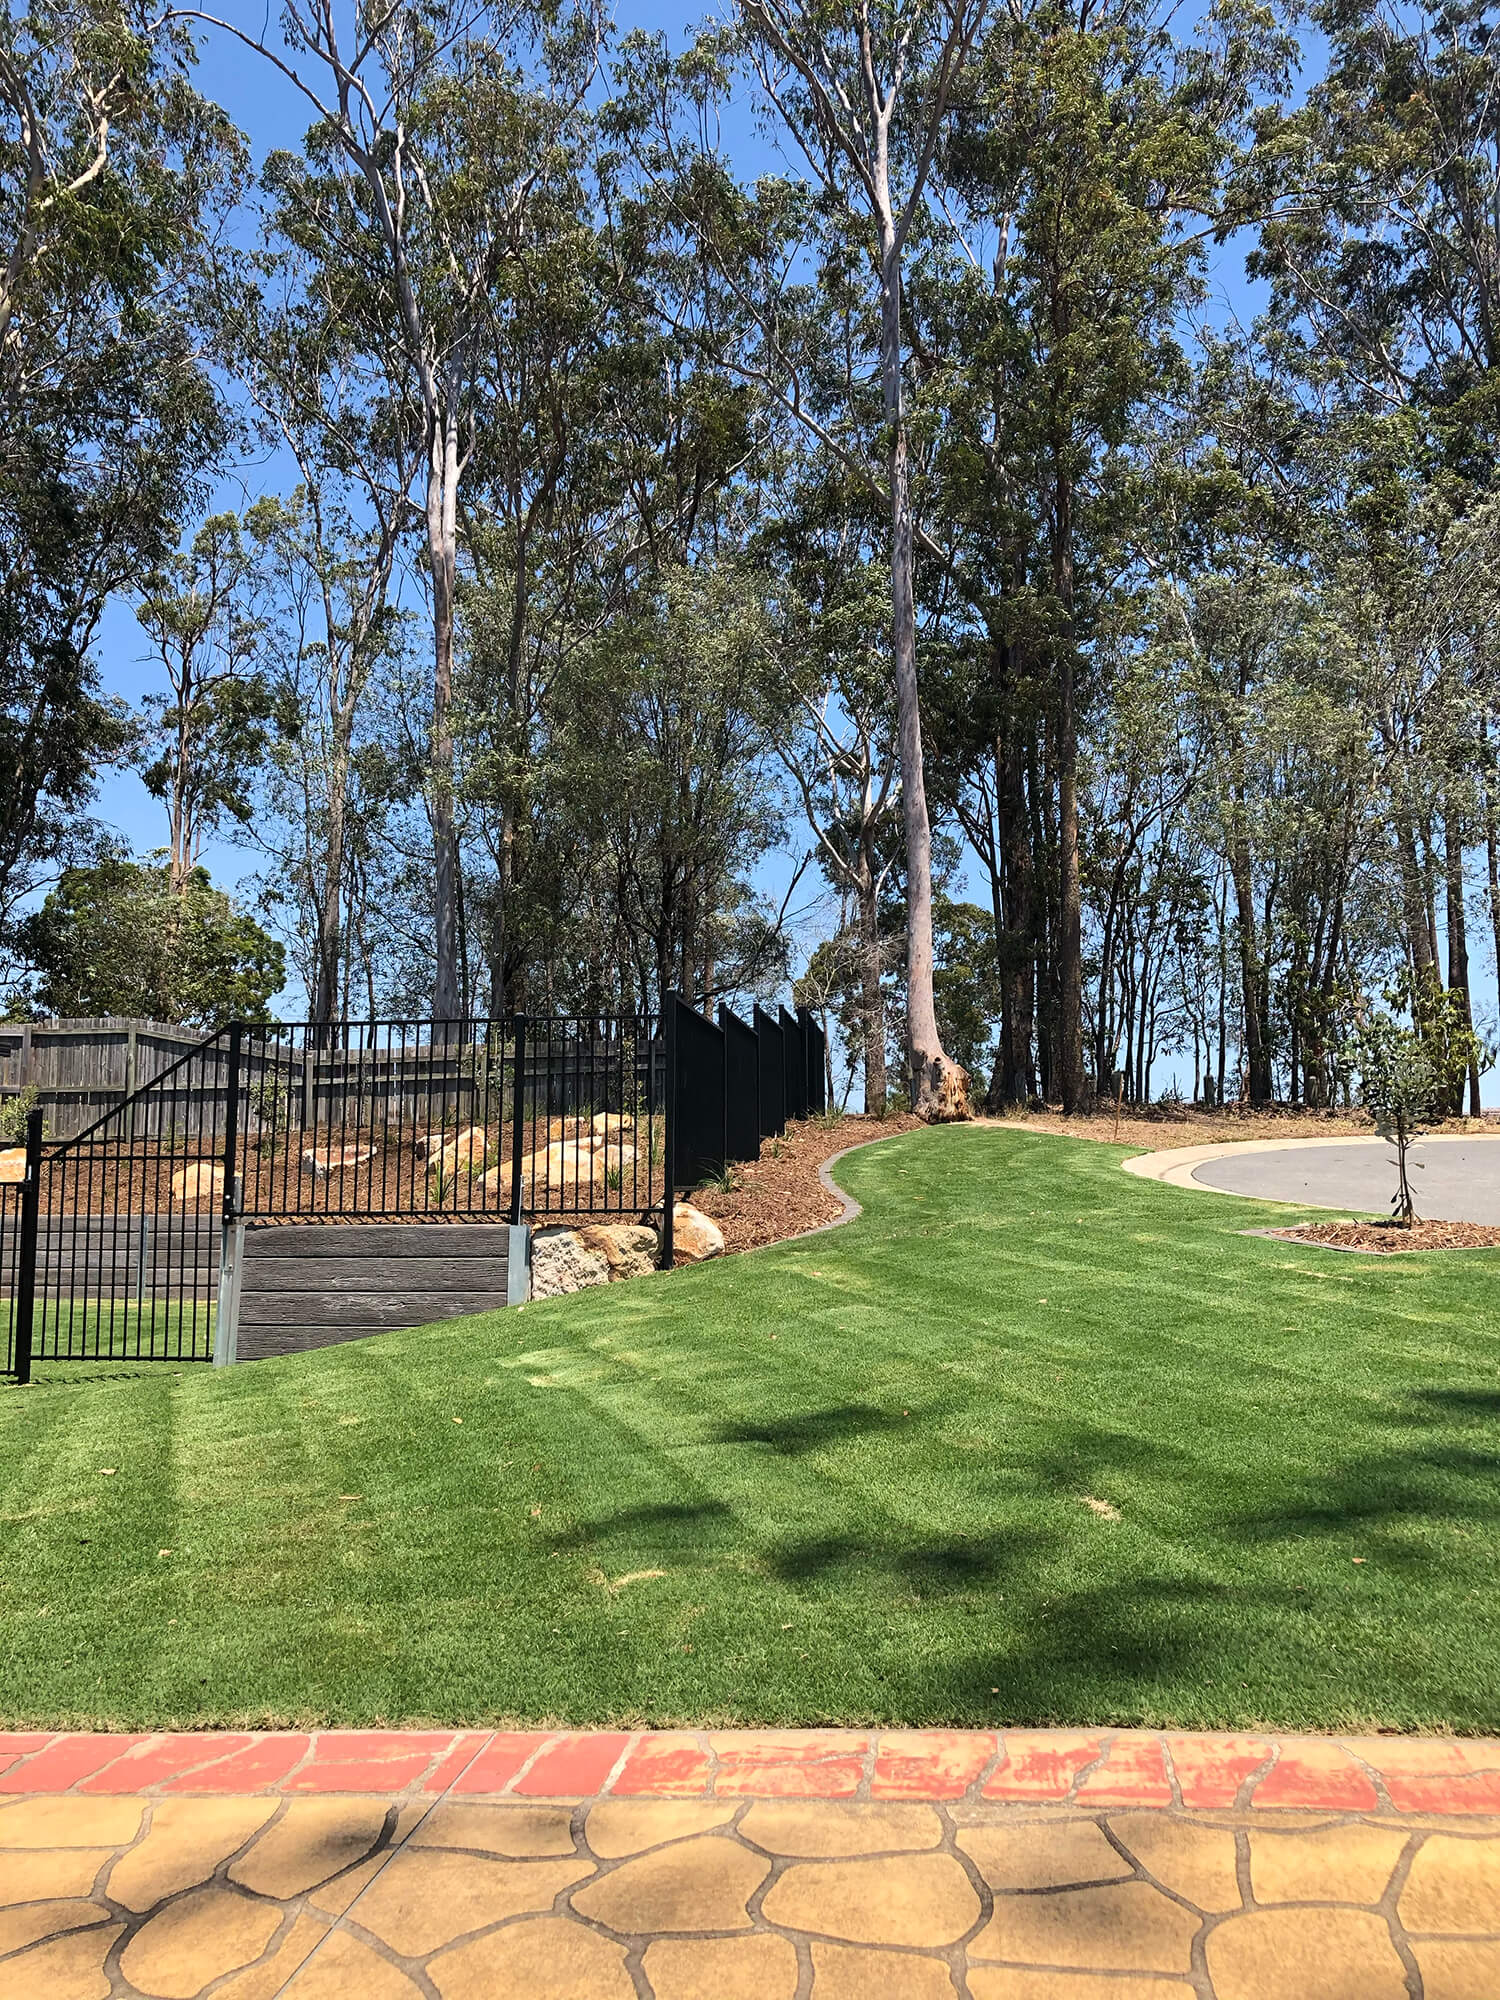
x: 1404, y: 1483
x: 676, y: 1525
x: 1461, y: 1405
x: 87, y: 1374
x: 813, y: 1429
x: 1116, y: 1653
x: 954, y: 1563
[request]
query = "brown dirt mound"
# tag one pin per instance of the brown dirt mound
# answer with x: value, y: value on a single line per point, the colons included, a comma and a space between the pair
x: 779, y: 1195
x: 1393, y: 1237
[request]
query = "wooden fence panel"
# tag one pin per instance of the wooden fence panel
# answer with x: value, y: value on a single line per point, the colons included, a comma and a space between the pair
x: 81, y: 1069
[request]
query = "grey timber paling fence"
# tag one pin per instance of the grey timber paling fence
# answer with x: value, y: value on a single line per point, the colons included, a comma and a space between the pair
x: 81, y: 1069
x: 125, y: 1238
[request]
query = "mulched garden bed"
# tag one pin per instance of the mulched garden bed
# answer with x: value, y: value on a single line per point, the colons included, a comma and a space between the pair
x: 1392, y: 1237
x: 780, y: 1195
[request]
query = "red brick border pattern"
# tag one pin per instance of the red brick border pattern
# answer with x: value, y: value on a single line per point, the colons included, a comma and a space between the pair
x: 1137, y: 1768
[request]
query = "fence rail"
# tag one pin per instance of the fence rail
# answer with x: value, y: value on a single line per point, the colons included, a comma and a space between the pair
x: 124, y: 1238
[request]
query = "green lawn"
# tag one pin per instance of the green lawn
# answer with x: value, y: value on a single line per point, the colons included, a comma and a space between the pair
x: 840, y: 1480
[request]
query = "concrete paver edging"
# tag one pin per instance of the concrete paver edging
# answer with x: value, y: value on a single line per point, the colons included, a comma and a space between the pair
x: 1136, y: 1768
x: 748, y: 1865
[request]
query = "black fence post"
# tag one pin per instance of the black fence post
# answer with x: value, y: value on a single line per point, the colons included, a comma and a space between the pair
x: 669, y: 1005
x: 814, y: 1042
x: 31, y: 1200
x: 232, y: 1121
x: 794, y: 1074
x: 741, y: 1087
x: 517, y: 1115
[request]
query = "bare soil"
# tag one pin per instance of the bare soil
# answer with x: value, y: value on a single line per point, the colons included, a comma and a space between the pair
x: 780, y: 1195
x: 1162, y: 1126
x: 1392, y: 1238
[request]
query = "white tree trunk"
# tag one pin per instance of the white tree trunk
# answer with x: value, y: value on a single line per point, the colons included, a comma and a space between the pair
x: 938, y: 1085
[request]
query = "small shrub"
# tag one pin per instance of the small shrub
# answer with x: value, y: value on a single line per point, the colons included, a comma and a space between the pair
x: 14, y: 1111
x: 1406, y: 1068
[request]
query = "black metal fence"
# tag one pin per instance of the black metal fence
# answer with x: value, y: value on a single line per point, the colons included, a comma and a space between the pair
x: 120, y: 1242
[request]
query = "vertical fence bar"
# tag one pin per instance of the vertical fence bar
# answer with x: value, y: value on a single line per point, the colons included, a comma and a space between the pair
x: 517, y: 1114
x: 231, y: 1230
x: 232, y: 1115
x: 669, y: 1128
x: 31, y: 1196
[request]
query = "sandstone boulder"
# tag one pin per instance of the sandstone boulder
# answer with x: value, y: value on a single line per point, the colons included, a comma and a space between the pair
x: 695, y: 1236
x: 463, y: 1154
x: 13, y: 1165
x: 630, y: 1248
x: 321, y: 1161
x: 562, y: 1262
x: 609, y: 1128
x: 197, y: 1179
x: 568, y: 1168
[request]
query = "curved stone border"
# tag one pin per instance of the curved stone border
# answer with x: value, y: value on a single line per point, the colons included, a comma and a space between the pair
x: 1174, y: 1165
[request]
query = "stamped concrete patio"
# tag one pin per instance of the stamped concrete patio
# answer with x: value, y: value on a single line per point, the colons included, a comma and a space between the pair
x: 1036, y: 1865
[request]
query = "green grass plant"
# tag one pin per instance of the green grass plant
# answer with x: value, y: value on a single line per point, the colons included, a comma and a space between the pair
x: 1029, y: 1441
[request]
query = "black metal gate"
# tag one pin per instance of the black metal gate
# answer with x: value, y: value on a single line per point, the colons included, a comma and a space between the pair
x: 124, y: 1241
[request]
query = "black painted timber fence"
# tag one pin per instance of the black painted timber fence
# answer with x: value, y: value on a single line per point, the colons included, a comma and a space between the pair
x: 125, y: 1240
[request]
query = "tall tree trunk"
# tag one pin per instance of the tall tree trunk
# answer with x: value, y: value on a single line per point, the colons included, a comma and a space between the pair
x: 1492, y: 853
x: 1252, y: 971
x: 872, y: 993
x: 1013, y: 1081
x: 1041, y: 790
x: 1070, y: 900
x: 330, y: 916
x: 1458, y: 938
x: 442, y: 551
x: 1413, y: 898
x: 938, y: 1085
x: 1223, y: 990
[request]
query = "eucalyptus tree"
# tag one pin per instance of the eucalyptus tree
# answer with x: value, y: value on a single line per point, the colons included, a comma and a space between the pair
x: 1090, y: 161
x: 661, y: 734
x: 203, y: 737
x: 330, y: 554
x: 863, y: 92
x: 328, y: 782
x: 1381, y: 245
x: 111, y: 172
x: 833, y: 731
x: 435, y: 132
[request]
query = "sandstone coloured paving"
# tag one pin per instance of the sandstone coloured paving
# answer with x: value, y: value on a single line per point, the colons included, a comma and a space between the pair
x: 819, y: 1865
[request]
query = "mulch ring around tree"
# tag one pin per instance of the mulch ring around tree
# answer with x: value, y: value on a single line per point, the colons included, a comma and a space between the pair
x: 780, y: 1195
x: 1389, y: 1238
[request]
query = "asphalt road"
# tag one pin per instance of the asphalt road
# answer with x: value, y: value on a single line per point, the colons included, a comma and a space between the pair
x: 1453, y: 1180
